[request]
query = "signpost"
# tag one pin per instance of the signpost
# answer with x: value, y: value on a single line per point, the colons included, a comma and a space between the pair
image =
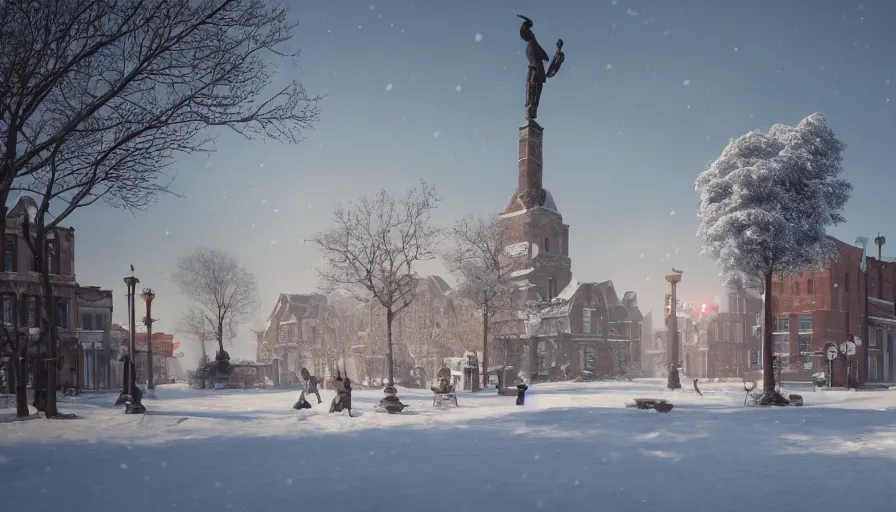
x: 832, y: 354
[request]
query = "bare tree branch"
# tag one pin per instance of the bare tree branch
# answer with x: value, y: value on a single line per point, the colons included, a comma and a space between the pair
x: 110, y: 91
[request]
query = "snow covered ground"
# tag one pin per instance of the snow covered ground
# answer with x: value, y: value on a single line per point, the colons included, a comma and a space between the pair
x: 571, y: 447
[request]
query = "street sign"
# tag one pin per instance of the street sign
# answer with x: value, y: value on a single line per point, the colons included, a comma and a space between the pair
x: 832, y: 353
x: 848, y: 348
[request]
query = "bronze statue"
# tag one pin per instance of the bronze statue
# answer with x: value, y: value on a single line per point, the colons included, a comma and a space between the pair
x: 536, y: 76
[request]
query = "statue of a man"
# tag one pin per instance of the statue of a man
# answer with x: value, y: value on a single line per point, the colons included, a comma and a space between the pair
x: 536, y: 76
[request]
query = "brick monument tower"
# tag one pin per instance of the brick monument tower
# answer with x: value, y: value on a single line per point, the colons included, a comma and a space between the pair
x: 537, y: 240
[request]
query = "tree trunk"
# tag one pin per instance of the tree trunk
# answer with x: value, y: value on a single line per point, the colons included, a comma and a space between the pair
x: 20, y: 374
x: 768, y: 326
x: 50, y: 331
x: 485, y: 344
x: 390, y: 364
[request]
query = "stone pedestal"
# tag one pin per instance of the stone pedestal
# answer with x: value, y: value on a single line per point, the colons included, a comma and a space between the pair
x: 529, y: 191
x: 390, y: 403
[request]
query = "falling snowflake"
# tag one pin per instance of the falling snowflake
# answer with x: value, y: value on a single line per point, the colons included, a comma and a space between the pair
x: 123, y: 466
x: 309, y: 205
x: 667, y: 32
x: 609, y: 66
x: 631, y: 12
x: 677, y: 249
x: 641, y: 257
x: 689, y: 106
x: 435, y: 135
x: 459, y: 88
x: 668, y: 255
x: 273, y: 242
x: 646, y: 279
x: 167, y: 233
x: 478, y: 37
x: 289, y: 481
x: 388, y: 87
x: 372, y: 7
x: 261, y: 165
x: 264, y: 201
x: 686, y: 83
x: 672, y: 213
x: 887, y: 81
x: 276, y: 210
x: 736, y: 49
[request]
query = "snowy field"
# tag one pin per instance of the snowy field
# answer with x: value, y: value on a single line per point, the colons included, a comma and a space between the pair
x: 571, y: 447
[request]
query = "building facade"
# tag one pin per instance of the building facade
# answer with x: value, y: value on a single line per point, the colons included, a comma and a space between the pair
x: 21, y: 294
x: 847, y: 301
x: 99, y: 352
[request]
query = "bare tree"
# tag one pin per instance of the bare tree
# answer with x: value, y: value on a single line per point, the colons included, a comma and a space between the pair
x: 476, y: 259
x: 223, y: 292
x: 372, y: 250
x: 99, y: 96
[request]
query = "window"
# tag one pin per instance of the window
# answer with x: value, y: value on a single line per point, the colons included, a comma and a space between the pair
x: 87, y: 321
x: 6, y: 309
x: 781, y: 343
x: 586, y: 320
x: 313, y: 333
x: 547, y: 245
x: 805, y: 343
x: 62, y: 313
x: 587, y: 359
x: 810, y: 286
x: 805, y: 322
x: 99, y: 322
x: 31, y: 312
x: 53, y: 257
x: 782, y: 324
x: 9, y: 253
x: 796, y: 287
x: 552, y: 288
x: 846, y: 283
x: 738, y: 332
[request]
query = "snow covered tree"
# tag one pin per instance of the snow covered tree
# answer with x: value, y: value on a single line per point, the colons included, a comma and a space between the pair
x: 224, y: 295
x: 765, y: 204
x: 476, y: 259
x: 373, y: 249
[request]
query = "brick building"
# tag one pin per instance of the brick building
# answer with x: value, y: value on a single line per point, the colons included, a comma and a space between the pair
x: 721, y: 344
x: 842, y: 302
x: 562, y: 327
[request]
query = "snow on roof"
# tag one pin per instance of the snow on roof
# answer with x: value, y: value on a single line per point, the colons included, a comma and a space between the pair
x: 570, y: 290
x: 518, y: 273
x: 517, y: 250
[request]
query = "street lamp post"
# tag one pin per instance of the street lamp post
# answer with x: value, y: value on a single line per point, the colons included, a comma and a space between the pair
x: 673, y: 380
x: 148, y: 295
x: 134, y: 406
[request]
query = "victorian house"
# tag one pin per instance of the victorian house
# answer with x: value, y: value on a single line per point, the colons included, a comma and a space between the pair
x: 562, y: 328
x: 294, y: 336
x: 99, y: 351
x: 21, y: 293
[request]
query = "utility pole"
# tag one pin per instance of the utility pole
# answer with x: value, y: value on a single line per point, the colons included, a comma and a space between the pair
x: 134, y: 406
x: 148, y: 295
x: 673, y: 380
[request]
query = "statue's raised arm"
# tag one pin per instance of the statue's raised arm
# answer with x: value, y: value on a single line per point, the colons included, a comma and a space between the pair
x: 557, y: 61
